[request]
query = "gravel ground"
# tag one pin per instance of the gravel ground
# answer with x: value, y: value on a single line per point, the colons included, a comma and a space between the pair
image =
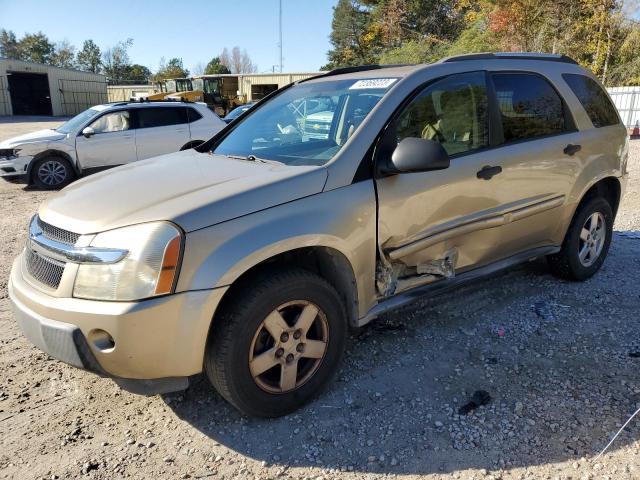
x: 554, y: 357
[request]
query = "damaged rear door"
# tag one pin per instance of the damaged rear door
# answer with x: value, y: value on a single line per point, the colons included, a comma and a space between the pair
x: 431, y: 224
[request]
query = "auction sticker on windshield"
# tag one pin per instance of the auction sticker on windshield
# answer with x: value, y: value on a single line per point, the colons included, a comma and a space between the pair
x: 373, y: 83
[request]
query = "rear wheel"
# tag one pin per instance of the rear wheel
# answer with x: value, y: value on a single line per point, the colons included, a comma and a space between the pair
x: 278, y: 344
x: 587, y: 242
x: 51, y: 173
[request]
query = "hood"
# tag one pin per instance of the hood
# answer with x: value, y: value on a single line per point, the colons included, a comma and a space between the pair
x: 33, y: 137
x: 192, y: 189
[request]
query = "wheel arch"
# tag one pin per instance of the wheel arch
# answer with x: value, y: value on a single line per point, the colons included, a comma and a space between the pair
x: 608, y: 187
x: 49, y: 153
x: 327, y: 262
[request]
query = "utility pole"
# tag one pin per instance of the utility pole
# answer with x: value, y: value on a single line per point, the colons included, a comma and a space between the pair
x: 280, y: 35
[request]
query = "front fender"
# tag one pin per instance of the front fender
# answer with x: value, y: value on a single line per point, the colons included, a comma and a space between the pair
x: 343, y: 219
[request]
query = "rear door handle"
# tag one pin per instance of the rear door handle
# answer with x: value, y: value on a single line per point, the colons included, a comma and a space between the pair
x: 572, y: 149
x: 488, y: 172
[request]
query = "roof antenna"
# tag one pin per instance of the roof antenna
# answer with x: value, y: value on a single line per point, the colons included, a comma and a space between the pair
x: 280, y: 34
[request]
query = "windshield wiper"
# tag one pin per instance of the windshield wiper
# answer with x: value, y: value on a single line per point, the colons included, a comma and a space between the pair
x: 251, y: 158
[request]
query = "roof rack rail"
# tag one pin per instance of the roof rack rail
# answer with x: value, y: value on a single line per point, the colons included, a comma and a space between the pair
x: 343, y: 70
x: 549, y: 57
x: 164, y: 100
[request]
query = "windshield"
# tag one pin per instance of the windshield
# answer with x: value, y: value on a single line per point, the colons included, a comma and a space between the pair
x: 306, y: 124
x: 211, y: 85
x: 76, y: 122
x: 236, y: 112
x: 183, y: 85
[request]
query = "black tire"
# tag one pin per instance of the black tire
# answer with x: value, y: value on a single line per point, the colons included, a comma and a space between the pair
x: 231, y: 341
x: 566, y: 263
x: 52, y: 173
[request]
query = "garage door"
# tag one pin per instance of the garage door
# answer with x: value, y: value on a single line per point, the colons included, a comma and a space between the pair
x: 29, y: 93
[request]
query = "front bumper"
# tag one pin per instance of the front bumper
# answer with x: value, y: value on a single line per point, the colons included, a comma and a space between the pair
x: 15, y: 169
x: 157, y: 343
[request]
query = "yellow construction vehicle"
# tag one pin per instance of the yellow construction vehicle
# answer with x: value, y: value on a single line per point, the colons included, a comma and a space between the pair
x: 175, y: 88
x: 219, y: 92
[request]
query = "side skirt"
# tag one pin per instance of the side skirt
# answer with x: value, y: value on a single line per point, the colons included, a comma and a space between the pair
x: 92, y: 170
x: 445, y: 285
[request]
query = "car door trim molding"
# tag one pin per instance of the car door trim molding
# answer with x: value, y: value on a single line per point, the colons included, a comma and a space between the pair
x: 487, y: 222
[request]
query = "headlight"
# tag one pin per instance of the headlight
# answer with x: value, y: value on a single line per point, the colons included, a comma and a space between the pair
x: 9, y: 153
x: 149, y: 268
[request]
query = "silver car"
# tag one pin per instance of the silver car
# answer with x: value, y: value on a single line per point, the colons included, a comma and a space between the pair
x: 251, y: 256
x: 105, y: 136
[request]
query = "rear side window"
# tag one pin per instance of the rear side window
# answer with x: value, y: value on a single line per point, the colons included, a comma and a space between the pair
x: 529, y: 106
x: 594, y: 100
x: 193, y: 115
x: 161, y: 116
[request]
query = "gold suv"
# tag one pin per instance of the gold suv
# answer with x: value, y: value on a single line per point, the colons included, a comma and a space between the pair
x: 333, y: 200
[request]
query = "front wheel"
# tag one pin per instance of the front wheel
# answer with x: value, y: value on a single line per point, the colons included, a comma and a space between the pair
x: 277, y: 344
x: 51, y: 173
x: 586, y: 244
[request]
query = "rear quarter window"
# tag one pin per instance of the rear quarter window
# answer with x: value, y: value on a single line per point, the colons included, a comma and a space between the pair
x: 193, y: 115
x: 594, y: 100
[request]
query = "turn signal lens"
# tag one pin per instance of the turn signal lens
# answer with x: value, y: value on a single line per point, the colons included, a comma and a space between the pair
x: 169, y: 267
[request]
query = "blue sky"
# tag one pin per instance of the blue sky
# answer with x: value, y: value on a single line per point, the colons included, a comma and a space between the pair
x: 195, y: 30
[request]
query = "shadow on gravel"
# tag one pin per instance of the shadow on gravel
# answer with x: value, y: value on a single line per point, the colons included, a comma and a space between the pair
x: 556, y: 358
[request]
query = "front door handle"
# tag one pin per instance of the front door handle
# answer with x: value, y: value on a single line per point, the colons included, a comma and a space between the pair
x: 488, y: 172
x: 572, y: 149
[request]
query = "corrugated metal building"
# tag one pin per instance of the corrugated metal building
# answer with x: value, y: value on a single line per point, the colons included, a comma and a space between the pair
x: 257, y: 85
x: 123, y: 93
x: 254, y: 86
x: 627, y: 101
x: 28, y: 88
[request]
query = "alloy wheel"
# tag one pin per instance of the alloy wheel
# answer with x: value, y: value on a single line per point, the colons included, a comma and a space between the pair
x: 288, y: 346
x: 52, y: 173
x: 592, y: 239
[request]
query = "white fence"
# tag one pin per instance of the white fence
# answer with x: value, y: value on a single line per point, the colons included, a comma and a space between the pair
x: 627, y: 101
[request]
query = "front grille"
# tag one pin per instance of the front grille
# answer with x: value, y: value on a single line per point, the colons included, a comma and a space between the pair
x: 58, y: 234
x: 44, y: 270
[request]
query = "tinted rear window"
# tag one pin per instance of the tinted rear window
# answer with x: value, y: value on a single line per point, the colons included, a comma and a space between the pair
x: 193, y: 114
x: 161, y: 116
x: 594, y: 100
x: 529, y: 106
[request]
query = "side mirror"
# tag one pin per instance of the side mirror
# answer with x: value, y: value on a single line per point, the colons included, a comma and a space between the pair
x: 88, y: 131
x: 418, y: 155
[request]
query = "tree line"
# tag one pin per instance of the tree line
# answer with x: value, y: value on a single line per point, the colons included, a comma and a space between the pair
x: 599, y: 34
x: 114, y: 61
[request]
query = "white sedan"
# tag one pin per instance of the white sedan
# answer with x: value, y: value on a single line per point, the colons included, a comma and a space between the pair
x: 105, y: 136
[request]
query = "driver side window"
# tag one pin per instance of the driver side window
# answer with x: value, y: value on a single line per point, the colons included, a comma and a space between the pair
x: 112, y: 122
x: 451, y: 111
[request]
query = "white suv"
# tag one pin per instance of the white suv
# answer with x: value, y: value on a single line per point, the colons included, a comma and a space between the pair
x: 105, y: 136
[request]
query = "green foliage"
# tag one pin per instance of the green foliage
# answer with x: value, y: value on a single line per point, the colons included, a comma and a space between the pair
x: 215, y: 67
x: 136, y: 74
x: 88, y: 58
x: 171, y: 69
x: 36, y: 47
x: 9, y: 45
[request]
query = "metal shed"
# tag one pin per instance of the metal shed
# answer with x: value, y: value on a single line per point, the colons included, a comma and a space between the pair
x: 28, y: 88
x: 257, y: 85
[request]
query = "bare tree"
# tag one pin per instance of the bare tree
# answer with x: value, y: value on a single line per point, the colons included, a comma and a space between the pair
x: 238, y: 61
x: 198, y: 69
